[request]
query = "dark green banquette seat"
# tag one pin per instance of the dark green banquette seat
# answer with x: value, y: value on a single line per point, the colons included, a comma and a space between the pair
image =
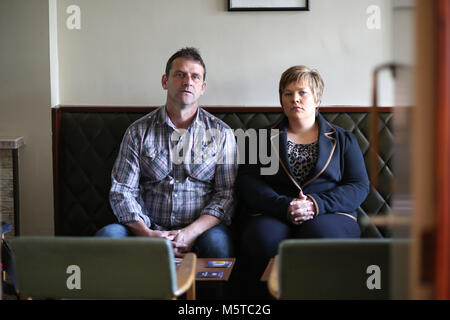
x: 86, y: 141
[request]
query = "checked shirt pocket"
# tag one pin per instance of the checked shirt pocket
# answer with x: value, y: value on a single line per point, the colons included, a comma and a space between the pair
x: 155, y: 165
x: 203, y: 171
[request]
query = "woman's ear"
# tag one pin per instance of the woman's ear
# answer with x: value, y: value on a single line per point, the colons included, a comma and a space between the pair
x: 317, y: 107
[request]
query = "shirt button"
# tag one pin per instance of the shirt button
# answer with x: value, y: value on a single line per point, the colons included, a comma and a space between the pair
x: 175, y: 195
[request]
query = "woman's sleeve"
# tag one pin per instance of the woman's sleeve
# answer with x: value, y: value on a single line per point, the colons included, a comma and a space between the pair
x: 257, y: 194
x: 354, y: 187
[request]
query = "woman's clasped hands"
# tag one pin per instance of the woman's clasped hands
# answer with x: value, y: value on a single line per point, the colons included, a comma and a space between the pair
x: 301, y: 209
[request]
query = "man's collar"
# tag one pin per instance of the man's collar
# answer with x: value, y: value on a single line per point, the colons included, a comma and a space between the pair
x: 164, y: 118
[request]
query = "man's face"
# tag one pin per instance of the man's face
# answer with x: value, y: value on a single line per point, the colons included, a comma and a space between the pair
x: 185, y: 84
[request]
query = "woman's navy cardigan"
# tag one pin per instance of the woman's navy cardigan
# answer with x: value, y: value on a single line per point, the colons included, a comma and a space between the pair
x: 338, y: 184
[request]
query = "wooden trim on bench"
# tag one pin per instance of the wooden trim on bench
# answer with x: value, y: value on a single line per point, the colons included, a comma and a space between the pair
x: 56, y: 142
x: 225, y: 109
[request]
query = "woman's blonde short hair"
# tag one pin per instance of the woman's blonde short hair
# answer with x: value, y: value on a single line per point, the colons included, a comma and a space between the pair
x: 304, y: 75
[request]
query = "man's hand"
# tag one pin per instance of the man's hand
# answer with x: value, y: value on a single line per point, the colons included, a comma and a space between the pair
x: 185, y: 238
x: 301, y: 209
x: 168, y: 235
x: 183, y: 242
x: 140, y: 229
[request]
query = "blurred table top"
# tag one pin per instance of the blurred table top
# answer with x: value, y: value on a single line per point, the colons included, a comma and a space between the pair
x: 201, y: 267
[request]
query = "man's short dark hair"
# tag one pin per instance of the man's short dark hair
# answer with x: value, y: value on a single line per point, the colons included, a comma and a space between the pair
x: 186, y: 53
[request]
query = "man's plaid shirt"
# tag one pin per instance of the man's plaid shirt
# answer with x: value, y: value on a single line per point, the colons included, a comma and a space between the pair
x: 169, y: 177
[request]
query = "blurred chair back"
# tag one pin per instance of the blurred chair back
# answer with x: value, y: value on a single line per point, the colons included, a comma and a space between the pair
x: 97, y: 268
x: 333, y: 269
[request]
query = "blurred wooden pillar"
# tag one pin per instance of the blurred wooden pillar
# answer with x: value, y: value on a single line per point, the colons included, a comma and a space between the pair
x: 430, y: 257
x: 423, y: 227
x: 442, y: 270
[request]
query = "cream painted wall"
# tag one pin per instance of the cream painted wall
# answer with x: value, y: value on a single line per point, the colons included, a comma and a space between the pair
x: 119, y: 54
x: 25, y: 106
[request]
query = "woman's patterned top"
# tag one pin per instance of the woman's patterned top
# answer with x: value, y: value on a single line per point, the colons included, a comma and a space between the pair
x: 303, y: 159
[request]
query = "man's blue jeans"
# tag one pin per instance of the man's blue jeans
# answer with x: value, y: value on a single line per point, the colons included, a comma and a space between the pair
x: 213, y: 243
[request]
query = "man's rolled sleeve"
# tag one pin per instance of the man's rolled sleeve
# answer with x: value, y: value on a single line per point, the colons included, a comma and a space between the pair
x: 124, y: 194
x: 223, y: 202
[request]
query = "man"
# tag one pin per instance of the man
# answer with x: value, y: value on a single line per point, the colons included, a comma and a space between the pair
x: 175, y: 171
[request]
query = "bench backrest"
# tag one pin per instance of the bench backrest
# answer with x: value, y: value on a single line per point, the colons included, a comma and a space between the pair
x: 86, y: 142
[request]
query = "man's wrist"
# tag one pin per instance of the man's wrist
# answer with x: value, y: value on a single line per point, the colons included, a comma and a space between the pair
x: 194, y: 230
x: 140, y: 229
x: 202, y: 224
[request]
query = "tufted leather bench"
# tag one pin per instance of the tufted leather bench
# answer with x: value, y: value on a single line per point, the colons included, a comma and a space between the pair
x: 86, y: 141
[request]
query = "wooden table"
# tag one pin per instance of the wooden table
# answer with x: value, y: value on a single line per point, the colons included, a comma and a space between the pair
x: 201, y: 267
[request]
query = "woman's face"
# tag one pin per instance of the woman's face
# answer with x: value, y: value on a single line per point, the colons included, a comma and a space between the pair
x: 298, y: 101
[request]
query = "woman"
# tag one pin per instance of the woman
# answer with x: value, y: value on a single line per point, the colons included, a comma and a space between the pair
x: 321, y: 179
